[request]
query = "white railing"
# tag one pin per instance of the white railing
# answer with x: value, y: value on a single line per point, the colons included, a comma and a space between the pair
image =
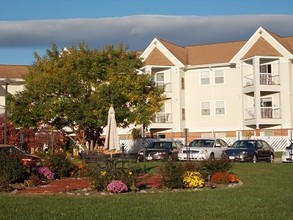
x: 269, y: 79
x: 266, y: 112
x: 264, y: 79
x: 270, y: 112
x: 162, y: 117
x: 163, y: 85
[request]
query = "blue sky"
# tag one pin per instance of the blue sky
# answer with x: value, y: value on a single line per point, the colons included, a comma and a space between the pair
x: 33, y: 25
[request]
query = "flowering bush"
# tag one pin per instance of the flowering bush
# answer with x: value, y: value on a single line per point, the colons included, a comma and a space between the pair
x: 117, y: 186
x: 192, y: 179
x: 172, y: 175
x: 46, y: 173
x: 224, y: 178
x: 109, y: 170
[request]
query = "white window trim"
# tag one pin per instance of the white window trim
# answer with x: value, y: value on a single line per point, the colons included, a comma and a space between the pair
x: 225, y: 109
x: 223, y: 71
x: 201, y: 108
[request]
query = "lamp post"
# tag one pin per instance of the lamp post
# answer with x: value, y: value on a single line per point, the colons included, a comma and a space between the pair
x: 5, y: 113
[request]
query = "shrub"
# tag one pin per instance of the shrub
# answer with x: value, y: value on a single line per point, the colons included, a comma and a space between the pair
x: 117, y: 186
x: 172, y: 174
x: 192, y: 179
x: 208, y: 167
x: 109, y: 170
x: 60, y: 164
x: 224, y: 178
x: 11, y: 170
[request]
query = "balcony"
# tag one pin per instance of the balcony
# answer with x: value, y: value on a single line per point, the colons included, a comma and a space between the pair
x: 162, y: 117
x: 264, y: 79
x: 163, y: 85
x: 265, y: 113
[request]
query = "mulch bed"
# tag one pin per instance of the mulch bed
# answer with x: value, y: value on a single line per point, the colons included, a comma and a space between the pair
x: 57, y: 186
x: 72, y: 184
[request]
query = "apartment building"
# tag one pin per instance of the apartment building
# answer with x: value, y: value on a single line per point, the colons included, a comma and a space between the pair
x: 228, y: 90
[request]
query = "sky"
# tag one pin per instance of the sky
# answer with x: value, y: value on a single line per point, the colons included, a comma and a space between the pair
x: 34, y: 25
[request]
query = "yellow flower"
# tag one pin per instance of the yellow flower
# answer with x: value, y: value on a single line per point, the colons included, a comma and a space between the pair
x: 193, y: 179
x: 129, y: 173
x: 103, y: 173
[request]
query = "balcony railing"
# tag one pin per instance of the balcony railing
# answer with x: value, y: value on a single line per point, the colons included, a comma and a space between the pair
x: 265, y: 112
x: 162, y: 117
x: 264, y: 79
x: 269, y: 79
x: 270, y: 112
x: 163, y: 85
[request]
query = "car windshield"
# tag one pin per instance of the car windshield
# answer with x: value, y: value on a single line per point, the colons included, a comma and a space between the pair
x: 162, y: 145
x: 202, y: 143
x: 244, y: 144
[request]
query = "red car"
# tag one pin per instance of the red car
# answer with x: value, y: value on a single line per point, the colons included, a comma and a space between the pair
x: 28, y: 160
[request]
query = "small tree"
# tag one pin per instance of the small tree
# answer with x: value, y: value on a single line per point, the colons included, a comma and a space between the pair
x: 76, y: 89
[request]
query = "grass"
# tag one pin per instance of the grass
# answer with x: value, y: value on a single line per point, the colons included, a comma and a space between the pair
x: 265, y: 194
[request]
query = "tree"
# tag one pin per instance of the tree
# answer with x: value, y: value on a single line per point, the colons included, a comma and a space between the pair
x: 76, y: 88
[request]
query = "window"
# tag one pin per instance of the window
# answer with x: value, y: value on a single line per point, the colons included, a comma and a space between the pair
x: 267, y: 68
x: 160, y: 77
x: 219, y: 76
x: 182, y: 83
x: 205, y: 78
x: 220, y: 107
x: 205, y: 108
x: 183, y: 114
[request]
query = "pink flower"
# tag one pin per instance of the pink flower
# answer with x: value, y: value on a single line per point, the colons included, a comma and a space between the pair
x: 46, y: 172
x: 116, y: 186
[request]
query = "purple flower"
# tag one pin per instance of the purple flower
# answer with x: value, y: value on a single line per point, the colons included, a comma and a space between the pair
x: 116, y: 186
x: 46, y: 172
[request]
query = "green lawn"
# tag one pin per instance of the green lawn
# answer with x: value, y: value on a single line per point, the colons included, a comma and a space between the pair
x: 265, y: 194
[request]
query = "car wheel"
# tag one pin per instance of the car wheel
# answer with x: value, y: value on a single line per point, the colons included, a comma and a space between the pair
x: 212, y: 156
x: 271, y: 159
x: 254, y: 159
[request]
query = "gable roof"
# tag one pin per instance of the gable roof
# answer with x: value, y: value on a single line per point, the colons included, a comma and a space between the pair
x: 262, y: 48
x: 213, y: 53
x: 156, y: 57
x: 13, y: 71
x: 224, y: 52
x: 286, y: 42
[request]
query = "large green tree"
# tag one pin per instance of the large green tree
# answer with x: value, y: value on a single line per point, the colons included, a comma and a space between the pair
x: 76, y: 88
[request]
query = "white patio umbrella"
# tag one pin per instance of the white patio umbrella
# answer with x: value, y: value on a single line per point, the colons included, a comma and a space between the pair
x: 112, y: 138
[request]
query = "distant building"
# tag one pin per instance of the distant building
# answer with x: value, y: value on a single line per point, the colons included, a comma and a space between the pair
x: 228, y: 90
x: 11, y: 81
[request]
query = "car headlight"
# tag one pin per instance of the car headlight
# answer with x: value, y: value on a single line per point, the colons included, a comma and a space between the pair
x: 160, y: 153
x: 203, y: 151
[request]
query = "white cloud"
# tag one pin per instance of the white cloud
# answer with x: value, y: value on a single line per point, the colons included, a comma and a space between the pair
x: 138, y: 31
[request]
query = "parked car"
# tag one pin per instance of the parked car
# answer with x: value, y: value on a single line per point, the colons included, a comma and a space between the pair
x: 250, y: 150
x: 160, y: 150
x: 203, y: 149
x: 28, y: 160
x: 287, y: 155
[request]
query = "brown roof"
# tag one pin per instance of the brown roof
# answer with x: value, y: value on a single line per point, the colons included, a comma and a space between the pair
x: 204, y: 54
x: 213, y: 53
x: 178, y: 51
x: 218, y: 52
x: 13, y: 71
x: 157, y: 58
x: 263, y: 48
x: 286, y: 42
